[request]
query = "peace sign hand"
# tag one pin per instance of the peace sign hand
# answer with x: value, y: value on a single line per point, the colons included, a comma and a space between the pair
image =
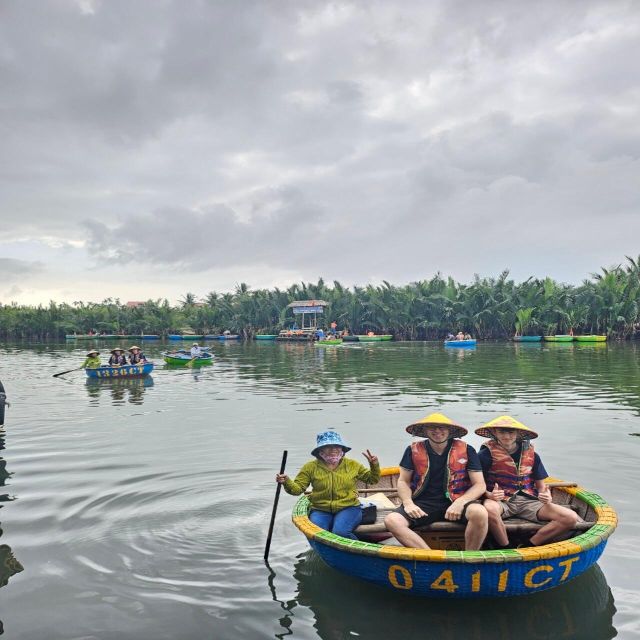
x: 370, y: 457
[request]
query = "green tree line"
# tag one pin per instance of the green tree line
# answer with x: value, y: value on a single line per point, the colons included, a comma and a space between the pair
x: 494, y: 307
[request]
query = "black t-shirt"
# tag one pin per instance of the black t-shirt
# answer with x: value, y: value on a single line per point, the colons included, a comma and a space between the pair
x: 538, y: 472
x: 433, y: 496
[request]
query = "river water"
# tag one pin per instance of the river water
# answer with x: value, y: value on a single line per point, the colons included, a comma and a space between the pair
x: 139, y: 509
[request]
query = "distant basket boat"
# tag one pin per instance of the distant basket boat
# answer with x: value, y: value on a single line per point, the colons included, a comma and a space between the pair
x: 444, y: 571
x: 527, y: 338
x: 183, y: 358
x: 184, y: 336
x: 228, y: 336
x: 328, y: 343
x: 460, y: 343
x: 590, y: 338
x: 265, y: 336
x: 150, y: 336
x: 125, y: 371
x: 350, y: 338
x: 381, y: 338
x: 558, y: 338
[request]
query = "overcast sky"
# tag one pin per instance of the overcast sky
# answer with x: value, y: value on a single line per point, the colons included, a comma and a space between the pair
x: 151, y: 148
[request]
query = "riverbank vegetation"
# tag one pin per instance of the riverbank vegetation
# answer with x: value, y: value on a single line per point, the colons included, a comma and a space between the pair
x: 489, y: 308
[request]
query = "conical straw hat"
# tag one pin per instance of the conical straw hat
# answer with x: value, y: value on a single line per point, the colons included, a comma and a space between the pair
x: 505, y: 422
x: 419, y: 428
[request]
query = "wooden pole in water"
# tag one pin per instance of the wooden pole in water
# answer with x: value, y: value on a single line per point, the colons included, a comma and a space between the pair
x: 275, y: 508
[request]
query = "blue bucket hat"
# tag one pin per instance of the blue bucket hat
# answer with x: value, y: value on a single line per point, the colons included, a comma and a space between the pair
x: 327, y: 438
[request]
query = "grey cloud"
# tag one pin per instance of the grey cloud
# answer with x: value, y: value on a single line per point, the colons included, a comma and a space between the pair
x: 11, y: 268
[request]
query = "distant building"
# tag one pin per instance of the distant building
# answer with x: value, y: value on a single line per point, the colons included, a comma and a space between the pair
x: 134, y: 303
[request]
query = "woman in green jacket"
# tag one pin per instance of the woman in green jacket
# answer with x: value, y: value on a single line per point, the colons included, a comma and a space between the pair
x: 334, y: 499
x: 92, y: 361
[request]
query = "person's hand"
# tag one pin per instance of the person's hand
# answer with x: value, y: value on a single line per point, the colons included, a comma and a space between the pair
x: 281, y: 478
x: 413, y: 510
x: 496, y: 493
x: 545, y: 495
x: 370, y: 457
x: 454, y: 512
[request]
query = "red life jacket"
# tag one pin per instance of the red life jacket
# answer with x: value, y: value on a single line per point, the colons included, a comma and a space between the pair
x: 456, y: 482
x: 510, y: 478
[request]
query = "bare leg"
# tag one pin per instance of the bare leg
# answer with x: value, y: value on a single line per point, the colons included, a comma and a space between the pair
x: 399, y: 527
x: 561, y: 520
x: 496, y: 525
x: 477, y: 524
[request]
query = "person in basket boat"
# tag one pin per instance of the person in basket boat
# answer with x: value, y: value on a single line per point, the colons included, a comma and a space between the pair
x: 459, y: 335
x: 334, y: 498
x: 92, y: 360
x: 136, y: 356
x: 440, y: 479
x: 196, y: 351
x: 467, y: 336
x: 117, y: 358
x: 515, y: 476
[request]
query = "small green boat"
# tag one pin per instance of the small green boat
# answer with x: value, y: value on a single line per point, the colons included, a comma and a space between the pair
x: 183, y: 358
x: 527, y: 338
x: 328, y: 343
x: 265, y: 336
x: 381, y: 338
x: 558, y: 338
x: 590, y: 338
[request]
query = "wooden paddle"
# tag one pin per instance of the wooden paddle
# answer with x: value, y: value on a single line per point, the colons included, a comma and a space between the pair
x: 55, y: 375
x: 275, y: 508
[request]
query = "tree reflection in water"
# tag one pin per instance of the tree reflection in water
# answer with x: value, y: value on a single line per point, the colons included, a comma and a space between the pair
x: 344, y: 607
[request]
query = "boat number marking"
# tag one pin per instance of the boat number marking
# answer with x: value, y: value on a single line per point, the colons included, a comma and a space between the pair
x: 400, y: 577
x: 407, y: 580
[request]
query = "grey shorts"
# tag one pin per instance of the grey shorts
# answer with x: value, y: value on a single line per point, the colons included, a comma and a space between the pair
x: 522, y: 507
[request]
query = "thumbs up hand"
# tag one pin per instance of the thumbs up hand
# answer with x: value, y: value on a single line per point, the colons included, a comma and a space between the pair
x: 497, y: 493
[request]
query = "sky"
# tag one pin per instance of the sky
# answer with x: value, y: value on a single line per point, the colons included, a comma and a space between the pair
x: 157, y: 147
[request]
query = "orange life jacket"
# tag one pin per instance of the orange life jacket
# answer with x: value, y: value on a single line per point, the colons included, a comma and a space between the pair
x: 456, y: 481
x: 510, y: 478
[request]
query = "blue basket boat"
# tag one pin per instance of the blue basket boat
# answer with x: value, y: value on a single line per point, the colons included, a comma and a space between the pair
x: 460, y: 343
x: 445, y: 571
x: 125, y: 371
x: 527, y: 338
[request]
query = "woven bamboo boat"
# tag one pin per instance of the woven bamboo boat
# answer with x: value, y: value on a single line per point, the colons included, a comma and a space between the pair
x: 460, y: 343
x: 184, y: 358
x: 558, y: 338
x: 125, y: 371
x: 590, y: 338
x: 527, y: 338
x: 444, y: 570
x: 380, y: 338
x: 331, y: 342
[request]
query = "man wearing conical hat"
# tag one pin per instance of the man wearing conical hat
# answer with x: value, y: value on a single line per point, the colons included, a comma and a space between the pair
x: 514, y: 476
x: 440, y: 479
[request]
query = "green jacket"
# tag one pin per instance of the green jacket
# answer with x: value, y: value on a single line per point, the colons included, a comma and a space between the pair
x: 91, y: 363
x: 332, y: 490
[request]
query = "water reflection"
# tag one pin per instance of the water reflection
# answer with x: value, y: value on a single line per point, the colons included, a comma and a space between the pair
x: 9, y: 565
x: 120, y: 390
x: 583, y: 608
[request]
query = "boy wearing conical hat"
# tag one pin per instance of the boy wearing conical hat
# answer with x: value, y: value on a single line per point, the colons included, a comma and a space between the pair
x: 440, y: 479
x: 515, y: 475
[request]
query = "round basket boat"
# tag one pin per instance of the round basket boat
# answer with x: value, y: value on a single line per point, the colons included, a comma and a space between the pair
x: 460, y: 343
x: 183, y: 358
x: 444, y: 571
x: 125, y: 371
